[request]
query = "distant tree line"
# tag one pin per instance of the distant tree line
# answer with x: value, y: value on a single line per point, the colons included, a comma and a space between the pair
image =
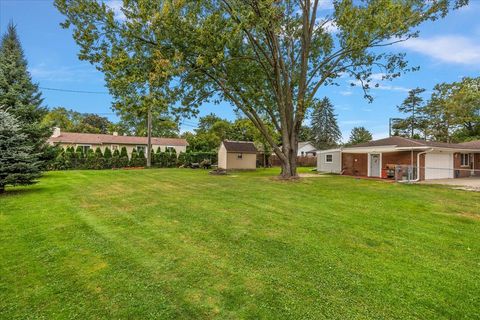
x: 74, y: 159
x: 451, y: 114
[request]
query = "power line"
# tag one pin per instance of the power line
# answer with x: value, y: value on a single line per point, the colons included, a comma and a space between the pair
x: 73, y: 91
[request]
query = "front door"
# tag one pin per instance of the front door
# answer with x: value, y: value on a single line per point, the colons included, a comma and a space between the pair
x: 374, y: 165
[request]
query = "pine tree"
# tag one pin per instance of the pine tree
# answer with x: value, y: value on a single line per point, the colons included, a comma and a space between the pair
x: 116, y: 159
x: 18, y: 164
x: 414, y: 123
x: 359, y: 135
x: 325, y: 130
x: 99, y: 160
x: 141, y: 159
x: 133, y: 158
x: 123, y: 161
x: 18, y: 94
x: 107, y: 156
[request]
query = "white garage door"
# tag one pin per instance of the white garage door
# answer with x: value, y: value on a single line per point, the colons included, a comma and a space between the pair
x: 438, y: 166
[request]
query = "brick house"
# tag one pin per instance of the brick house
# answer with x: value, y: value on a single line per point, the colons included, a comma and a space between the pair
x: 401, y: 158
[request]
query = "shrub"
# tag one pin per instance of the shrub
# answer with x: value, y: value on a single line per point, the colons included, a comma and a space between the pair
x: 79, y: 158
x: 182, y: 159
x: 107, y: 158
x: 141, y: 160
x: 123, y: 160
x: 90, y: 159
x: 115, y: 161
x: 133, y: 158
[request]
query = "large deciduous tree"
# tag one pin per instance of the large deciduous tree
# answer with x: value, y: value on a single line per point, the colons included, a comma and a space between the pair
x: 267, y: 58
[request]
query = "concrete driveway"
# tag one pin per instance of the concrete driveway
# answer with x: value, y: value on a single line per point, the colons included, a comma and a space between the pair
x: 470, y: 183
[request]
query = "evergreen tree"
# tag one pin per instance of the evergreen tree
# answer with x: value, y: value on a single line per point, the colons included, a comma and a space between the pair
x: 133, y: 158
x: 325, y: 130
x: 414, y: 124
x: 116, y: 159
x: 107, y: 156
x: 90, y: 159
x: 18, y: 164
x: 141, y: 159
x: 123, y: 161
x: 18, y: 94
x: 99, y: 161
x: 359, y: 135
x: 172, y: 158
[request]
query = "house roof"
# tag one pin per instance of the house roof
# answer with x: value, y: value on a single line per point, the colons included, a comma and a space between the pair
x: 401, y: 142
x: 473, y: 144
x: 240, y: 146
x: 304, y: 143
x: 93, y: 138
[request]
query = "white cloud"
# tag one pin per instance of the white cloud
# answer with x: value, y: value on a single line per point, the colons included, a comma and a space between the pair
x: 346, y: 93
x: 451, y: 48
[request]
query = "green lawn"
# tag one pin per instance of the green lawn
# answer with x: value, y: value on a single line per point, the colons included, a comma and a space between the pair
x: 179, y: 243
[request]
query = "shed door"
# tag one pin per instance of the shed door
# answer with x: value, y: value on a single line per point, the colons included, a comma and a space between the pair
x: 438, y: 166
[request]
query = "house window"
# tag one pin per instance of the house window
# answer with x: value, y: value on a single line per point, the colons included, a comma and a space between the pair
x: 328, y: 158
x: 141, y: 149
x: 464, y: 159
x: 303, y: 153
x: 114, y: 147
x: 240, y: 156
x: 85, y: 148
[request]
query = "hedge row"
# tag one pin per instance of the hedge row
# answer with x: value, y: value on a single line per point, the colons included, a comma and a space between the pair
x: 70, y: 158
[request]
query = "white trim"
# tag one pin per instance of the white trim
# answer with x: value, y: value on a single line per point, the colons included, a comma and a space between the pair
x: 325, y: 159
x: 468, y: 160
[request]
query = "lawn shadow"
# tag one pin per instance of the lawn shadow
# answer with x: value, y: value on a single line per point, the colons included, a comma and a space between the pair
x: 20, y: 191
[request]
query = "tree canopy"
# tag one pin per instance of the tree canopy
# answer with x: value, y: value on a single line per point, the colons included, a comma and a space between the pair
x: 266, y: 58
x: 325, y: 130
x: 359, y: 135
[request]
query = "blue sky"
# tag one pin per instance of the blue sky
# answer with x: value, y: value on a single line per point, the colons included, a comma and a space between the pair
x: 445, y: 51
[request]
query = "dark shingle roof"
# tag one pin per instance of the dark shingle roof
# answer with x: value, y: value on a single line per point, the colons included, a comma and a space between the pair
x: 401, y: 142
x: 240, y: 146
x: 93, y: 138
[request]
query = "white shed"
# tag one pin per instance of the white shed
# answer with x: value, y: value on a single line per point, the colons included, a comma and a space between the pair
x: 329, y: 160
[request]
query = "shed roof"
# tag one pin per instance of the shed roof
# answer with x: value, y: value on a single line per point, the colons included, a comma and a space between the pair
x: 240, y: 146
x: 93, y: 138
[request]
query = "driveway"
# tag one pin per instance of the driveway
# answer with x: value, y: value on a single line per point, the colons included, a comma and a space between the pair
x: 470, y: 183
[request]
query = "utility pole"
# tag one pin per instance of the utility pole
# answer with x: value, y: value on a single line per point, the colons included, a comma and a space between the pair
x: 149, y: 136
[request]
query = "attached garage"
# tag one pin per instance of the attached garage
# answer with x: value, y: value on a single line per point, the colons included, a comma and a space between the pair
x: 438, y: 166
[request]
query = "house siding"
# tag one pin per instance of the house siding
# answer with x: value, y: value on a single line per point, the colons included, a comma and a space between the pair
x: 248, y: 161
x: 222, y: 157
x: 355, y: 164
x: 333, y: 167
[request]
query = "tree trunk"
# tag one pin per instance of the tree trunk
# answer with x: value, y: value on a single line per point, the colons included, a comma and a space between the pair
x: 289, y: 161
